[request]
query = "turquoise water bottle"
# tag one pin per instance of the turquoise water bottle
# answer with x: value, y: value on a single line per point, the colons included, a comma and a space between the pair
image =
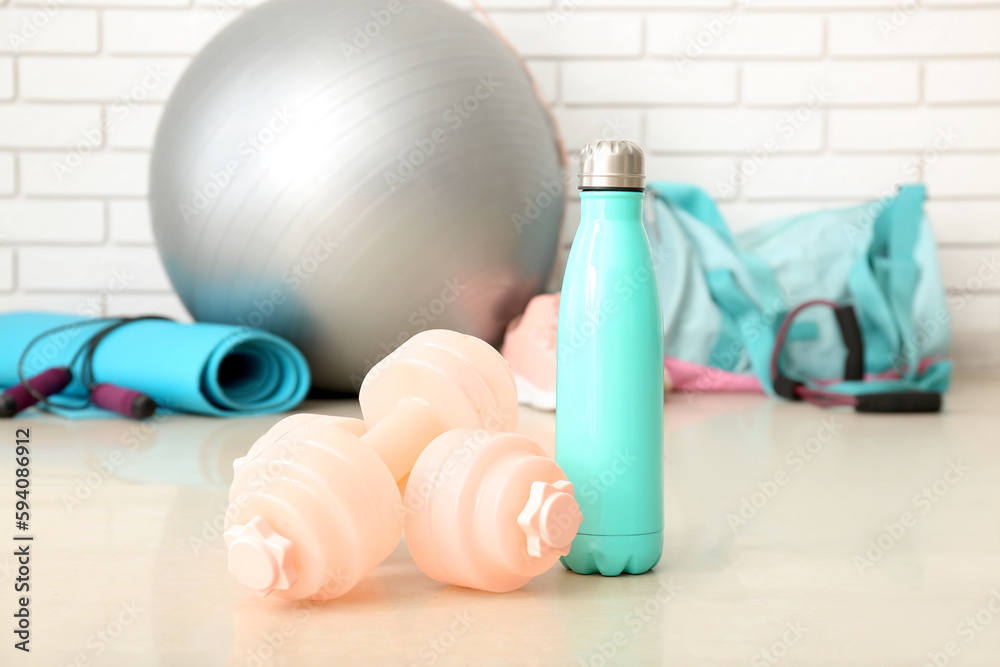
x: 609, y: 371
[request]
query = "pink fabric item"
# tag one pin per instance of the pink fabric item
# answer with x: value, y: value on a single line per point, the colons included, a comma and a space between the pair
x: 689, y: 376
x: 530, y: 343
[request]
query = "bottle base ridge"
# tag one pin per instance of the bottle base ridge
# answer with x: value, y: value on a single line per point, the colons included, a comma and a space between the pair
x: 612, y: 555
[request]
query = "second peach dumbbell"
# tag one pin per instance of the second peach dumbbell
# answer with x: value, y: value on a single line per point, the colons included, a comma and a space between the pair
x: 488, y: 510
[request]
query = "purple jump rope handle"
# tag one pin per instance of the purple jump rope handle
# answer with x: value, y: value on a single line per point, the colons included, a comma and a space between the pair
x: 46, y: 383
x: 125, y: 402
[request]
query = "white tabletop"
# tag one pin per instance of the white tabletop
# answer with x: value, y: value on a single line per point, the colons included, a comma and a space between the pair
x: 128, y: 566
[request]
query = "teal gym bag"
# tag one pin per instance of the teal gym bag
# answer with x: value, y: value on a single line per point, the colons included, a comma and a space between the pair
x: 739, y: 306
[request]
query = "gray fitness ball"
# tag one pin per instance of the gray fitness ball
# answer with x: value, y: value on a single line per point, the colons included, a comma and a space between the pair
x: 347, y: 174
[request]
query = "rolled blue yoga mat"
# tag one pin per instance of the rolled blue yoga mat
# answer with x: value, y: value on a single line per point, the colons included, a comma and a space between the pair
x: 210, y: 369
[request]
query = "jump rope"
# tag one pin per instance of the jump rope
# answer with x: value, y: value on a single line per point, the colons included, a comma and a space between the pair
x: 39, y: 389
x: 854, y: 370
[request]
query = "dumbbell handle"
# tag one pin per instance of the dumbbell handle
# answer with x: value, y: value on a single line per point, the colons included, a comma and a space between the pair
x: 403, y: 434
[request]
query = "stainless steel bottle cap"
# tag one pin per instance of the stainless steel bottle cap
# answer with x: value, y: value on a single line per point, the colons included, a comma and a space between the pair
x: 612, y: 163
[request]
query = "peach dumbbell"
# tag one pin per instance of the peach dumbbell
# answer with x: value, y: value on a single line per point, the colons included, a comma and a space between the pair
x: 314, y: 505
x: 488, y: 510
x: 286, y: 425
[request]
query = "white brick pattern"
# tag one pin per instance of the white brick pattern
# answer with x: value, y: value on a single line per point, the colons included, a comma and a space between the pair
x: 844, y: 98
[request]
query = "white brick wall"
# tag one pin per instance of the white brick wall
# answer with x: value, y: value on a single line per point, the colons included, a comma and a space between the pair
x: 699, y: 83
